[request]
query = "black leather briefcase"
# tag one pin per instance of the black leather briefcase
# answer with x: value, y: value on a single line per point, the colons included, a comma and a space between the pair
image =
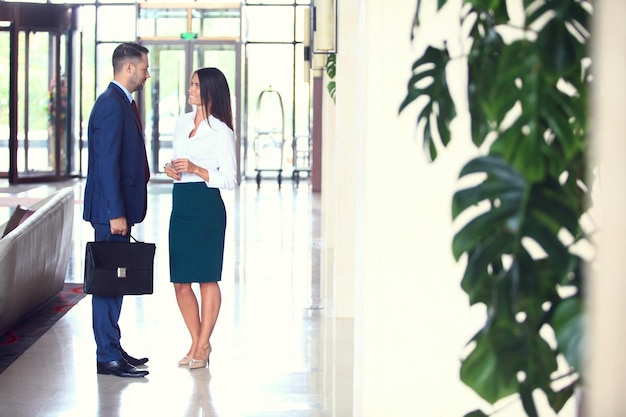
x: 119, y: 268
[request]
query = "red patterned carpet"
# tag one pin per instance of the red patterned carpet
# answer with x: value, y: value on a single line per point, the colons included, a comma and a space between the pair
x: 16, y: 340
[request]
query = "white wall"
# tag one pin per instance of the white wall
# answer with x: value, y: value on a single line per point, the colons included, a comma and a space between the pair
x: 412, y: 319
x: 388, y: 226
x: 607, y: 325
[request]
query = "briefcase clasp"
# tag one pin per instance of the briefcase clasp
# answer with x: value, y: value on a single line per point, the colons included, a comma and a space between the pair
x: 121, y: 272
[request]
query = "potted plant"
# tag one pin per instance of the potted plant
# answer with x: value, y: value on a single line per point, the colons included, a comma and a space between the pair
x: 527, y: 97
x: 57, y: 118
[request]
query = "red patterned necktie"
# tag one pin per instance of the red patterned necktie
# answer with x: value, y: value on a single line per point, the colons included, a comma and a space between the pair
x: 134, y: 106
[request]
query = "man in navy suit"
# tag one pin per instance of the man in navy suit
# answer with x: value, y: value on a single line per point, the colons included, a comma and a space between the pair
x: 116, y: 191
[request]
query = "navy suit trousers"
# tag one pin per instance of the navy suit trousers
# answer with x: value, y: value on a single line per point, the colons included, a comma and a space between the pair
x: 106, y: 310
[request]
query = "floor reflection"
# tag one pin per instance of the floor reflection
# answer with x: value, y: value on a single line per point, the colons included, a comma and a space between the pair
x: 275, y: 348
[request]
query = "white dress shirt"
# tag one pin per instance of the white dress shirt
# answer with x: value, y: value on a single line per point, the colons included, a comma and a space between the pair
x: 212, y: 148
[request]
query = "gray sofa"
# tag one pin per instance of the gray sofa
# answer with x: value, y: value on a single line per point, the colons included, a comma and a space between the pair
x: 34, y: 256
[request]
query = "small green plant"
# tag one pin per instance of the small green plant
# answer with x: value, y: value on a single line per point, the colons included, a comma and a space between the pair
x: 331, y: 67
x: 527, y: 98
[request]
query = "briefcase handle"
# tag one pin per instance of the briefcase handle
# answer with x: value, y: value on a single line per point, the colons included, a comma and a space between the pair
x: 131, y: 236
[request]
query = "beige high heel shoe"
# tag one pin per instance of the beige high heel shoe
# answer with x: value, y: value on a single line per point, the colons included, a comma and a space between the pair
x: 186, y: 360
x: 198, y: 363
x: 201, y: 363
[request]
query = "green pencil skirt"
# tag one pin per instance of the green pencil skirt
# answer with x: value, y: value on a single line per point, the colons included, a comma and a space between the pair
x: 196, y: 233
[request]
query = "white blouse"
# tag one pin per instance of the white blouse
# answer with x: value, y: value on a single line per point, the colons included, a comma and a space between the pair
x: 212, y: 148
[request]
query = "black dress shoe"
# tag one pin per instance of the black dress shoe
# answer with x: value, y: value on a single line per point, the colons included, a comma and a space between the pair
x: 133, y: 361
x: 120, y: 368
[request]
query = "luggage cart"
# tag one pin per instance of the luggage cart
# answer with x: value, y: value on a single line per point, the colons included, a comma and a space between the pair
x: 301, y: 146
x: 269, y: 137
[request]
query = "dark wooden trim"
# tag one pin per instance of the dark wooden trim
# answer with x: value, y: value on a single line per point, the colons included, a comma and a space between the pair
x: 38, y: 16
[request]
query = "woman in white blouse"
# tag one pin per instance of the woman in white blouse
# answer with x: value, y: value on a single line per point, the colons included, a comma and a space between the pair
x: 204, y: 160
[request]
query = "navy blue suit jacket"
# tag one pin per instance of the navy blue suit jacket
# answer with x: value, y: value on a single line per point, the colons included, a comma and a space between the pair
x: 116, y: 174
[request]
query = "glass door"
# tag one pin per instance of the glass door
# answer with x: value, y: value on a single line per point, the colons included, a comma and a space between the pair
x: 38, y: 125
x: 165, y: 93
x: 164, y: 99
x: 5, y: 86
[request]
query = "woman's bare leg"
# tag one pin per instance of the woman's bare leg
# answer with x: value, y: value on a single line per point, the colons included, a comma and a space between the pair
x: 211, y: 299
x: 188, y: 305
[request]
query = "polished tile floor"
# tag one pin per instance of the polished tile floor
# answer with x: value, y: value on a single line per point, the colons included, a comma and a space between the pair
x: 276, y: 350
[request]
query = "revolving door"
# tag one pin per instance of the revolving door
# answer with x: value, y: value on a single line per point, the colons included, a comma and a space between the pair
x: 39, y: 95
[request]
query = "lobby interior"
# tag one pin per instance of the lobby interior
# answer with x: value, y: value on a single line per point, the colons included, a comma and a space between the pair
x: 341, y: 297
x: 273, y: 348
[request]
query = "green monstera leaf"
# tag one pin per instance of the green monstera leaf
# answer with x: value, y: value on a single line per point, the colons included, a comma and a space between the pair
x: 513, y: 277
x: 429, y: 81
x: 567, y: 324
x: 527, y: 97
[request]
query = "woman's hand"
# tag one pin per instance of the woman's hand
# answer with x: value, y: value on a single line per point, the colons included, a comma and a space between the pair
x: 184, y: 165
x: 180, y: 165
x: 171, y: 172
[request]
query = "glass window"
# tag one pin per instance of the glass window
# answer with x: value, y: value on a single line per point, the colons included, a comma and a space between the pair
x: 58, y: 117
x: 270, y: 75
x: 302, y: 94
x: 4, y: 100
x: 299, y: 35
x: 87, y: 19
x: 269, y: 24
x: 21, y: 98
x: 162, y: 22
x: 35, y: 116
x: 72, y: 1
x: 166, y: 97
x: 278, y: 2
x: 165, y: 91
x: 218, y: 23
x: 116, y: 23
x: 104, y: 67
x: 222, y: 57
x: 118, y: 1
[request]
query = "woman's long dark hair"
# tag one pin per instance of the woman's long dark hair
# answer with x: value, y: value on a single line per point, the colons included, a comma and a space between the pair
x: 215, y: 94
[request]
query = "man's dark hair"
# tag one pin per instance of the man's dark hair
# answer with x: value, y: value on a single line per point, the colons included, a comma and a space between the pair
x: 127, y: 51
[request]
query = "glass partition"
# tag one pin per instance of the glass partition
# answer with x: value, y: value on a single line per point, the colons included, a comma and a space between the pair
x: 161, y: 22
x: 269, y: 24
x: 165, y: 92
x: 270, y: 69
x: 116, y: 23
x: 274, y: 32
x: 189, y: 22
x: 257, y: 44
x: 165, y: 96
x: 222, y: 56
x: 182, y: 39
x: 38, y: 114
x: 104, y: 66
x: 41, y: 77
x: 287, y: 2
x: 5, y: 82
x: 84, y: 86
x: 220, y: 23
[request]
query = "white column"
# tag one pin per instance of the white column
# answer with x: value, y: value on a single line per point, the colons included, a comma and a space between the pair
x: 607, y: 284
x: 387, y: 222
x: 341, y: 142
x: 412, y: 319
